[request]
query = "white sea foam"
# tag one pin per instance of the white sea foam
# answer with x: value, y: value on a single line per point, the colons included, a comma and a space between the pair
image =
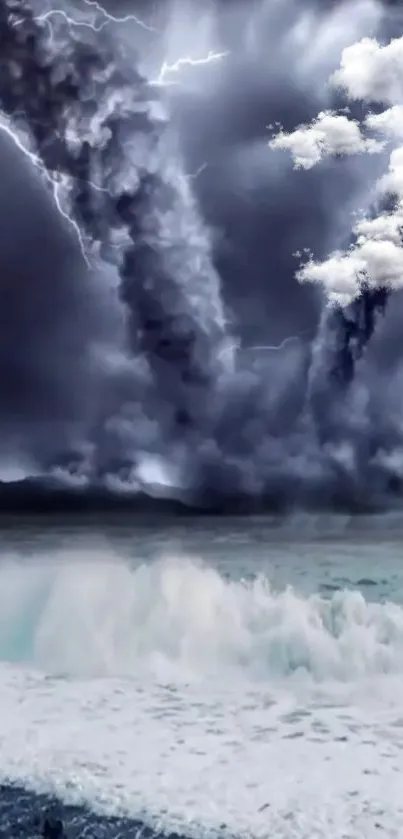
x: 96, y: 615
x: 167, y: 691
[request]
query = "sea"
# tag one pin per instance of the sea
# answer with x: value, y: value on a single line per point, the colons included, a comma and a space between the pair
x: 202, y: 678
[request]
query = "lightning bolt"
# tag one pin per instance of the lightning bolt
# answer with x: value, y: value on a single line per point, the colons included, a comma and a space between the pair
x: 192, y: 176
x: 186, y: 61
x: 269, y: 347
x: 107, y: 18
x: 277, y: 347
x: 56, y: 182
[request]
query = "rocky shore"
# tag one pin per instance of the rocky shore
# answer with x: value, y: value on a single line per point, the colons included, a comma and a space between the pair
x: 28, y: 815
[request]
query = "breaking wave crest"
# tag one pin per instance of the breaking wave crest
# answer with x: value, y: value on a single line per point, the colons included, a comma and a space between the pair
x: 178, y: 619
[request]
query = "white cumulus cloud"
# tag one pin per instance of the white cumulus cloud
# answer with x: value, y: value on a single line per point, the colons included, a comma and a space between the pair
x: 392, y: 181
x: 330, y: 134
x: 372, y: 73
x: 389, y: 123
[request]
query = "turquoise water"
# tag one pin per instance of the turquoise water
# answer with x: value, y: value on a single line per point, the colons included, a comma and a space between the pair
x: 188, y: 676
x: 312, y: 553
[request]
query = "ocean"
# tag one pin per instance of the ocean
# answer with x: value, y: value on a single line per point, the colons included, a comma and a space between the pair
x: 215, y: 677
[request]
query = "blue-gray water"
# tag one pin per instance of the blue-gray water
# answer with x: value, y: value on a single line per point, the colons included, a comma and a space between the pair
x: 178, y: 679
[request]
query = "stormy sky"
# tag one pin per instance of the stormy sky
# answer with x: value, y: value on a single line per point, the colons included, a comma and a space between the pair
x: 64, y: 353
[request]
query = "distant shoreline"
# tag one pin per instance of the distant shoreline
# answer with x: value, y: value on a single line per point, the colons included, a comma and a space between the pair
x: 36, y: 497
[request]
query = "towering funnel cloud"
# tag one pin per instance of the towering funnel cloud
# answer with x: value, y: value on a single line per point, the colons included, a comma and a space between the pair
x: 100, y: 126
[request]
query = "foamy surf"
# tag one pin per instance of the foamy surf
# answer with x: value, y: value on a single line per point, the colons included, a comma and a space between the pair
x: 171, y: 694
x: 178, y: 619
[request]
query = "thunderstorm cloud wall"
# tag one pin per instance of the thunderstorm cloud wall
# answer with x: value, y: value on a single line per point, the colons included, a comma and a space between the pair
x: 155, y: 367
